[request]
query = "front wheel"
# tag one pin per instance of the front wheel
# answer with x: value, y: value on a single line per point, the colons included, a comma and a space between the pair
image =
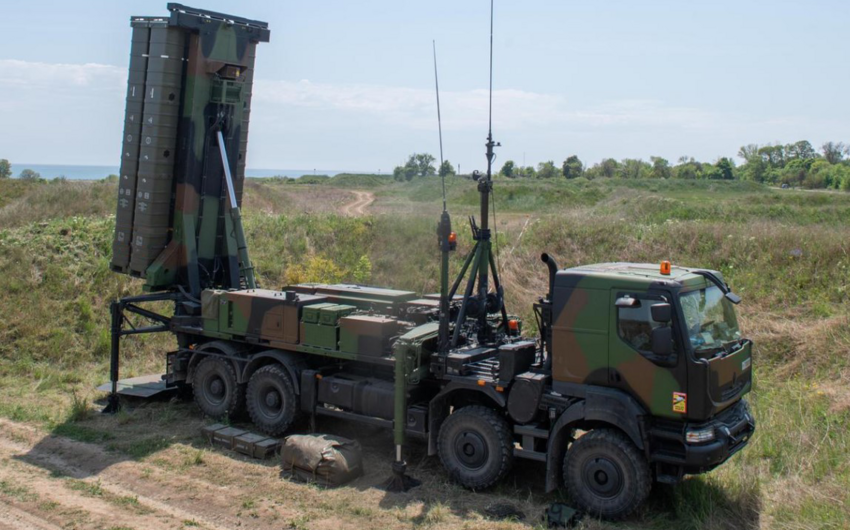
x: 606, y: 475
x: 475, y: 447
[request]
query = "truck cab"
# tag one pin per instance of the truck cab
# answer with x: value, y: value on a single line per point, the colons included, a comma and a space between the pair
x: 660, y: 351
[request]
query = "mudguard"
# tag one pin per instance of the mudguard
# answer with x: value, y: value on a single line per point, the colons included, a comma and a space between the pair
x: 293, y: 362
x: 438, y: 408
x: 226, y: 350
x: 605, y: 405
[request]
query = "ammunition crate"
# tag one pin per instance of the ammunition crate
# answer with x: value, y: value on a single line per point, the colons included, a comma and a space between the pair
x: 319, y: 336
x: 367, y: 335
x: 310, y: 314
x: 329, y: 316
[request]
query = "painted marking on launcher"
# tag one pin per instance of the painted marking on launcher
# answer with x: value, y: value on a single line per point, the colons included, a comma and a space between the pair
x: 680, y: 402
x: 746, y: 364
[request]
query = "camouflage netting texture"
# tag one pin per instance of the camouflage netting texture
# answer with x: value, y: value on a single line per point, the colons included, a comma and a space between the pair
x: 322, y: 459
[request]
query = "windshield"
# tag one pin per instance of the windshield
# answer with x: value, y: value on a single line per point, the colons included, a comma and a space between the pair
x: 710, y: 319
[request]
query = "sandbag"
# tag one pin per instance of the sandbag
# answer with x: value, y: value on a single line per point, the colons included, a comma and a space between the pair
x: 322, y: 459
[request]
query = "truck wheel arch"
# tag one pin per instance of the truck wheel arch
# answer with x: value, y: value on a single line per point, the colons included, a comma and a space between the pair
x: 600, y: 406
x: 226, y: 348
x: 451, y: 395
x: 292, y: 362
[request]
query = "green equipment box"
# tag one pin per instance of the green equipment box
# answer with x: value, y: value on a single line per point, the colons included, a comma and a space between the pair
x: 367, y: 335
x: 310, y: 314
x: 329, y: 316
x: 319, y: 335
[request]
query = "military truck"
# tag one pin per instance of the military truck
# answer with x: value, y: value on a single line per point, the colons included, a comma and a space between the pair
x: 636, y: 374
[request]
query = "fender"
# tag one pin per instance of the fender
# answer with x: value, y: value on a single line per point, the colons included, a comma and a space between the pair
x: 293, y: 363
x: 225, y: 349
x: 605, y: 405
x: 438, y: 408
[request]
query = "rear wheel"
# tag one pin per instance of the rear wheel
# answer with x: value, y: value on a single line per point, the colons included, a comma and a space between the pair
x: 475, y: 447
x: 606, y: 475
x: 216, y: 390
x: 272, y: 403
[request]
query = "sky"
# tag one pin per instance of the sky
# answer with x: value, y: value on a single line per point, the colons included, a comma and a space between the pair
x: 348, y: 85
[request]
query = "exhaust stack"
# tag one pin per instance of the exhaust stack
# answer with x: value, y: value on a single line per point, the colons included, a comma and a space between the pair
x: 553, y: 269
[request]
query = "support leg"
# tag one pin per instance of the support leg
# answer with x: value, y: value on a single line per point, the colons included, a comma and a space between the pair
x: 113, y: 404
x: 400, y: 481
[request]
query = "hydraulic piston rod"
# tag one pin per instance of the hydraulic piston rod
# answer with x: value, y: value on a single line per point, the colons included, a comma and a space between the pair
x: 245, y: 267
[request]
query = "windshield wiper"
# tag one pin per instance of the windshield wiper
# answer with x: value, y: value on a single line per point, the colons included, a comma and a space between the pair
x: 724, y: 287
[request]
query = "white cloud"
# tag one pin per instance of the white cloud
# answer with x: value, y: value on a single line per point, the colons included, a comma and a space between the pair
x: 513, y: 109
x: 402, y: 106
x: 61, y: 77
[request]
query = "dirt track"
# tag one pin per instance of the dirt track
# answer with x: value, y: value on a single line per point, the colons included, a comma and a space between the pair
x: 52, y: 482
x: 358, y: 207
x: 49, y: 482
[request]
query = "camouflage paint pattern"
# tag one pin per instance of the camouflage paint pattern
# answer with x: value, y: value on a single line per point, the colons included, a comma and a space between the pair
x: 587, y: 348
x: 367, y: 334
x: 198, y: 79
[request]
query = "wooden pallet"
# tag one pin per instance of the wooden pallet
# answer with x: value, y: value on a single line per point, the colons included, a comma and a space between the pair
x: 241, y: 441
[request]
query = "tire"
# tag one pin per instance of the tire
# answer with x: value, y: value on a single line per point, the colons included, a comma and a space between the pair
x: 475, y: 447
x: 606, y: 475
x: 216, y: 390
x: 272, y: 403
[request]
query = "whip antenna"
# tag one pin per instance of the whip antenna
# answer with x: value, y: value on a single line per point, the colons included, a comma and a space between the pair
x: 439, y: 121
x: 490, y: 124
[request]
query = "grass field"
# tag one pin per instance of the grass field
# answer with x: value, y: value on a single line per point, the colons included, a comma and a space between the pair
x: 785, y: 252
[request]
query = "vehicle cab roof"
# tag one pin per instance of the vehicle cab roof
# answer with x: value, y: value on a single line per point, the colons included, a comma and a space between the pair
x: 637, y: 275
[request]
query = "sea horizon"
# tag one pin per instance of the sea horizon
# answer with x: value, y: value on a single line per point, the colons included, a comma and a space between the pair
x: 94, y: 172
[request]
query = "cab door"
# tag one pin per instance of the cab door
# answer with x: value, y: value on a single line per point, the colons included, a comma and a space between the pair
x: 658, y: 382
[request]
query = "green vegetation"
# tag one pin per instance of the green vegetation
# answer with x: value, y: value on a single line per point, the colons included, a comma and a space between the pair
x: 418, y: 165
x: 785, y: 251
x: 793, y: 165
x: 29, y: 174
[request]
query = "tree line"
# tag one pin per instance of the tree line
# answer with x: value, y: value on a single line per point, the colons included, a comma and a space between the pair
x: 796, y: 164
x: 26, y: 174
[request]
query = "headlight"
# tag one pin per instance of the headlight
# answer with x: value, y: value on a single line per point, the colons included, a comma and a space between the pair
x: 698, y: 436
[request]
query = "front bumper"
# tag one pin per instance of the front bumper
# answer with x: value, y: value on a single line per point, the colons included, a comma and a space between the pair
x: 733, y: 429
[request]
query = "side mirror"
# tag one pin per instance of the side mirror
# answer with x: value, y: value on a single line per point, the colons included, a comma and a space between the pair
x: 661, y: 312
x: 732, y: 297
x: 662, y: 340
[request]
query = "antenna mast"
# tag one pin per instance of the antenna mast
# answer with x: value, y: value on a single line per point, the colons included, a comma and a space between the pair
x: 479, y: 304
x: 439, y: 122
x: 447, y: 238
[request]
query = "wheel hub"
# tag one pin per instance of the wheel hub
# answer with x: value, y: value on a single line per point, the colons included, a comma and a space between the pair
x: 471, y: 450
x: 603, y: 477
x: 273, y: 400
x: 217, y: 387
